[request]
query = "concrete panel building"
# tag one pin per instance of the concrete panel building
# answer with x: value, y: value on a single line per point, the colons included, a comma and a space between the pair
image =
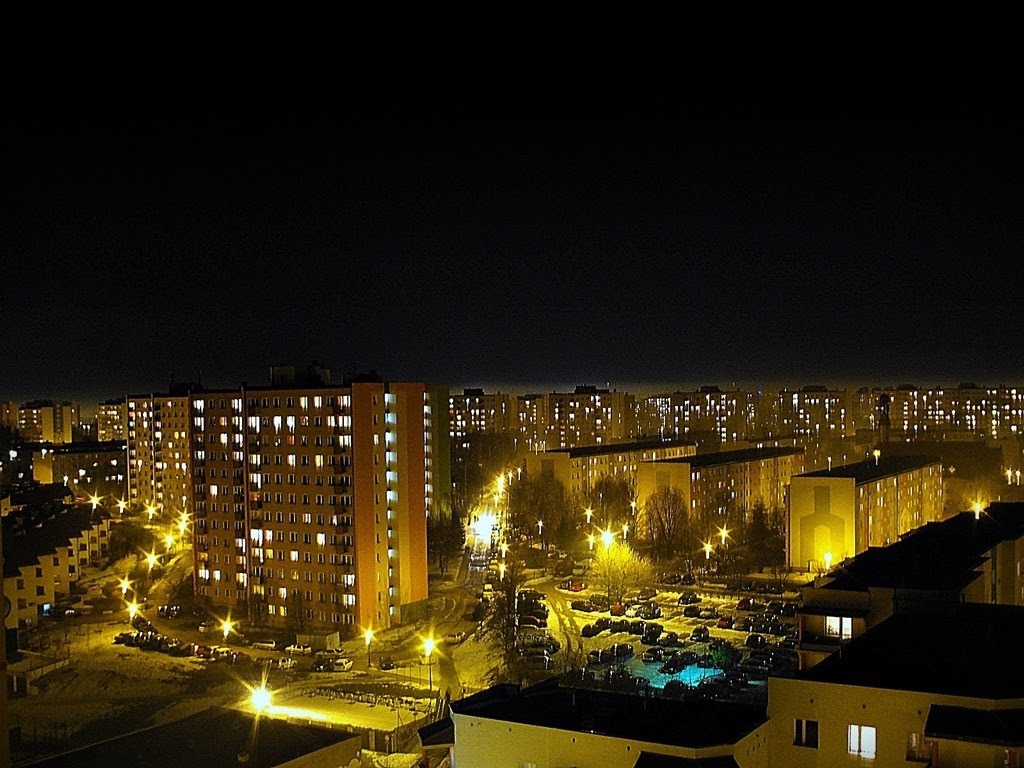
x: 837, y: 513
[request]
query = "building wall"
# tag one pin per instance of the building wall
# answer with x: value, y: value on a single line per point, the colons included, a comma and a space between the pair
x: 86, y: 473
x: 822, y: 518
x: 158, y: 453
x: 895, y: 715
x: 484, y: 743
x: 111, y: 419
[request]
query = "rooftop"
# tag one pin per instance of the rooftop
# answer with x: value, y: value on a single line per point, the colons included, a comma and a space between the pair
x: 732, y: 457
x: 212, y: 738
x: 968, y: 650
x: 1004, y: 727
x: 694, y: 724
x: 33, y: 532
x: 936, y: 557
x: 870, y: 470
x: 607, y: 449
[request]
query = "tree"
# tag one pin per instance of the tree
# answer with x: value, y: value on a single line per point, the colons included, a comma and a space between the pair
x: 297, y: 611
x: 502, y: 619
x: 445, y: 534
x: 619, y: 570
x: 665, y: 524
x: 541, y: 498
x: 764, y: 537
x: 610, y: 499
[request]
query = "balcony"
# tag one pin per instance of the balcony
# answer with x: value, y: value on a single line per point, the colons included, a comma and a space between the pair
x: 820, y: 643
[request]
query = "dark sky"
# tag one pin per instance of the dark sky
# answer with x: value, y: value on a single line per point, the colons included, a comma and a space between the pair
x: 519, y: 235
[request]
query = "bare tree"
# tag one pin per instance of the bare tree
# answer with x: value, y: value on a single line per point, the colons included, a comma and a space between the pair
x: 618, y: 570
x: 665, y: 524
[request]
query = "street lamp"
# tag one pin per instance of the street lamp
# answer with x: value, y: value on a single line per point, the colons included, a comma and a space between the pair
x: 501, y: 570
x: 428, y: 648
x: 589, y: 513
x: 708, y: 549
x: 151, y: 560
x: 828, y: 561
x: 977, y: 510
x: 169, y: 541
x: 95, y: 501
x: 125, y: 584
x: 607, y: 537
x: 590, y: 540
x: 133, y: 610
x: 368, y: 637
x: 260, y: 699
x: 121, y: 506
x: 151, y: 511
x: 625, y: 530
x: 226, y: 626
x: 723, y: 532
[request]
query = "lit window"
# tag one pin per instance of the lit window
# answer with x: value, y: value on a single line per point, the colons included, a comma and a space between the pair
x: 861, y: 741
x: 839, y: 626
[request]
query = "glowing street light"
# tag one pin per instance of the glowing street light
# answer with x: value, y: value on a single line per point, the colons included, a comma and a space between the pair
x: 428, y: 649
x: 501, y: 570
x: 828, y: 561
x: 589, y: 513
x: 169, y: 541
x: 977, y: 510
x: 504, y: 549
x: 226, y: 626
x: 625, y: 530
x: 151, y: 560
x: 125, y: 584
x: 133, y: 610
x: 95, y: 501
x: 590, y: 540
x: 121, y: 506
x: 708, y: 549
x: 877, y: 454
x: 540, y: 527
x: 724, y: 533
x: 368, y: 638
x: 632, y: 506
x: 260, y: 699
x: 151, y: 511
x: 183, y: 523
x: 607, y: 537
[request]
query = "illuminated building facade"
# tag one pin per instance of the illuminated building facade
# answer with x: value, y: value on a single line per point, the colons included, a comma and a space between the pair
x: 586, y: 416
x: 111, y: 418
x: 722, y: 487
x: 44, y: 421
x: 158, y: 453
x: 8, y: 414
x: 726, y: 414
x: 837, y: 513
x: 311, y: 502
x: 479, y: 412
x: 88, y: 469
x: 579, y: 468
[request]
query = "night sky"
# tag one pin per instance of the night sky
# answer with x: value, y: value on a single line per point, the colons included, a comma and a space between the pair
x: 522, y: 236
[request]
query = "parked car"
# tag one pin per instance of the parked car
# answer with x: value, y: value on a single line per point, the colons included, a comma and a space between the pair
x: 669, y: 639
x: 322, y: 665
x: 205, y: 626
x: 537, y: 663
x: 688, y: 598
x: 649, y: 611
x: 531, y: 595
x: 532, y: 621
x: 743, y: 604
x: 386, y: 662
x: 654, y: 654
x: 589, y: 630
x: 645, y: 594
x: 599, y: 656
x: 265, y: 645
x: 741, y: 624
x: 691, y: 611
x: 341, y: 664
x: 669, y: 579
x: 754, y: 640
x: 621, y: 650
x: 299, y: 649
x: 789, y: 609
x: 617, y: 609
x: 573, y: 585
x: 285, y: 662
x: 603, y: 623
x: 331, y: 653
x: 725, y: 622
x: 700, y: 634
x: 583, y: 605
x: 709, y: 613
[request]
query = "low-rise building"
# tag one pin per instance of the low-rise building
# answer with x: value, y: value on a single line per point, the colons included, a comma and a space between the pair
x: 88, y: 469
x: 44, y: 421
x: 839, y: 512
x: 550, y: 726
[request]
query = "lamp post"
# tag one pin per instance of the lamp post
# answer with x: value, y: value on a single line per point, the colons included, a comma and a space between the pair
x: 590, y: 540
x: 589, y: 513
x: 226, y: 627
x: 368, y: 637
x: 260, y: 699
x: 133, y: 611
x: 121, y: 506
x: 125, y: 584
x: 428, y: 648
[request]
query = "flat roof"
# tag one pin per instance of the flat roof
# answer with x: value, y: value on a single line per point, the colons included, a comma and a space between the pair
x: 869, y: 470
x: 693, y: 724
x: 1004, y: 727
x: 608, y: 448
x: 962, y: 649
x: 941, y: 556
x: 213, y: 738
x: 730, y: 457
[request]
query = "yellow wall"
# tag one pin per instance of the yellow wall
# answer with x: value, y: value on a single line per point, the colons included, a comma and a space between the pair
x: 821, y: 519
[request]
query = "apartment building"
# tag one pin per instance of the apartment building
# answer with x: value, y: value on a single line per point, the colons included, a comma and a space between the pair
x: 719, y: 487
x: 88, y: 469
x: 111, y: 420
x: 578, y: 469
x: 837, y: 513
x: 311, y: 502
x: 586, y: 416
x: 45, y: 549
x: 45, y: 421
x: 158, y: 452
x: 726, y: 414
x: 479, y: 412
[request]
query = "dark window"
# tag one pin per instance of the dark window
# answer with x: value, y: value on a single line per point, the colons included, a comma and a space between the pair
x: 805, y: 733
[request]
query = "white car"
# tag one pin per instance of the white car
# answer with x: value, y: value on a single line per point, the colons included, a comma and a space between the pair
x: 297, y: 649
x: 285, y: 662
x: 342, y: 665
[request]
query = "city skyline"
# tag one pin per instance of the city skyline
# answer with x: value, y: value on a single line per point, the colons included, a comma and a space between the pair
x: 520, y: 236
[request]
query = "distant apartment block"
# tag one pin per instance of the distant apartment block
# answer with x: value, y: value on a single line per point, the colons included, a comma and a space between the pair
x: 837, y: 513
x: 8, y: 414
x: 586, y: 416
x: 45, y: 421
x: 111, y: 420
x: 724, y: 486
x: 995, y: 412
x: 578, y: 469
x: 311, y: 502
x: 88, y: 469
x: 479, y: 412
x: 158, y: 452
x: 726, y: 414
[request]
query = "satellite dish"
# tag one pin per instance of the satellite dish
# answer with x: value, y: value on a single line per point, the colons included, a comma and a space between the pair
x: 7, y: 606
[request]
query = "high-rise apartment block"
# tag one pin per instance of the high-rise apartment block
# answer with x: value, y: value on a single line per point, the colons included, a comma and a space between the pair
x: 726, y: 414
x: 111, y: 420
x: 479, y: 412
x: 311, y: 502
x: 158, y: 452
x: 44, y: 421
